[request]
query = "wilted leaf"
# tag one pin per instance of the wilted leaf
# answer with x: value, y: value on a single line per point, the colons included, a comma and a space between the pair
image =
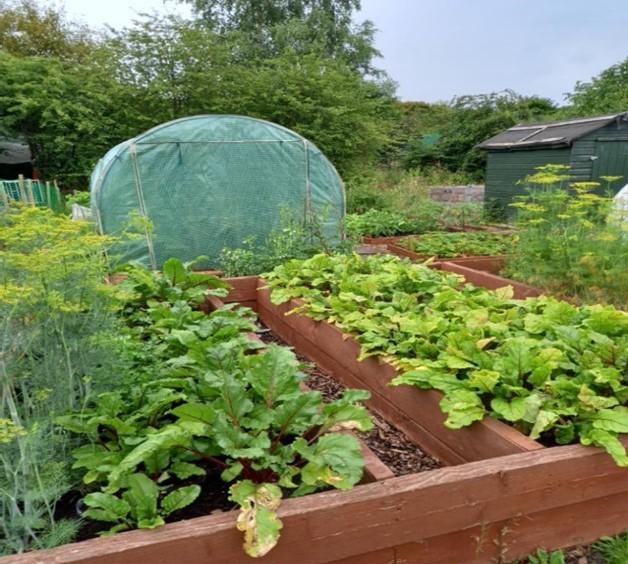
x: 257, y: 519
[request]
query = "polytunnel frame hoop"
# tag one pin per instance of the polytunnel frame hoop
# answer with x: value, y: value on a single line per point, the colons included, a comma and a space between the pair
x: 142, y: 204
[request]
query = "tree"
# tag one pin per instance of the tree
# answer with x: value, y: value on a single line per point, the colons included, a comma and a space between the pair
x: 28, y: 29
x: 305, y: 26
x: 414, y: 121
x: 71, y: 111
x: 171, y: 68
x: 605, y: 93
x: 347, y: 117
x: 69, y: 115
x: 476, y: 118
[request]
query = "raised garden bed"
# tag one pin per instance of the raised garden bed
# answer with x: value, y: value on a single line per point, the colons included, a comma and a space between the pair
x: 414, y: 411
x: 485, y: 279
x: 498, y: 228
x: 481, y: 271
x: 500, y: 507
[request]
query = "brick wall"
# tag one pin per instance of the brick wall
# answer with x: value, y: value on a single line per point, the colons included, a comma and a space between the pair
x: 458, y: 194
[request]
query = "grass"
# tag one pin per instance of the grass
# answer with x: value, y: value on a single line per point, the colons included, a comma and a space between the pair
x: 396, y: 190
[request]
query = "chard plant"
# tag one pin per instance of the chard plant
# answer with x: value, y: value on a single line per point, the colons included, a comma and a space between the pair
x: 212, y: 404
x: 450, y: 245
x: 556, y: 372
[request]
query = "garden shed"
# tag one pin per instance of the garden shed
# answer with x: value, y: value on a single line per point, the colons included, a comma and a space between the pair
x: 212, y: 181
x: 15, y: 159
x: 592, y: 147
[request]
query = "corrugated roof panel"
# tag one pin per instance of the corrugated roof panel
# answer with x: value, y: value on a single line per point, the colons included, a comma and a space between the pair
x: 555, y: 133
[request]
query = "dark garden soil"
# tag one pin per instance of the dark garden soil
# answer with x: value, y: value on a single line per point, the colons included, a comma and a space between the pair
x: 390, y: 445
x: 212, y: 499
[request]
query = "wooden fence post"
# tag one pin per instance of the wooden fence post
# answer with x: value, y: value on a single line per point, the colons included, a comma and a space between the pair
x: 29, y: 192
x: 20, y: 183
x: 3, y: 196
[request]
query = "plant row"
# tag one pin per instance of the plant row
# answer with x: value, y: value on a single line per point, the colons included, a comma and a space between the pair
x: 209, y: 403
x: 556, y: 372
x: 449, y: 245
x: 428, y: 216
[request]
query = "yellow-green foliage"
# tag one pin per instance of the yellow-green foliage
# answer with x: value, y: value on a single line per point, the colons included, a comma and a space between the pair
x: 570, y: 240
x: 57, y: 326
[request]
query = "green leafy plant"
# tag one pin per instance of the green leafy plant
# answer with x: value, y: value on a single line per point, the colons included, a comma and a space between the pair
x: 382, y: 223
x: 139, y: 504
x: 449, y: 245
x: 291, y: 239
x: 543, y: 557
x: 79, y: 197
x: 554, y: 371
x: 568, y: 240
x: 211, y: 405
x: 613, y: 550
x: 176, y: 282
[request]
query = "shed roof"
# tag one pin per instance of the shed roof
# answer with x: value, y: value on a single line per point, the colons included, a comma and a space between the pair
x: 14, y: 151
x: 552, y: 134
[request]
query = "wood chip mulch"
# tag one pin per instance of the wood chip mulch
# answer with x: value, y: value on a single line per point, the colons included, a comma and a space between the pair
x: 390, y: 445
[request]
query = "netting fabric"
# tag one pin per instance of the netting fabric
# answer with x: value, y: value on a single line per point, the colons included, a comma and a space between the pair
x: 209, y: 182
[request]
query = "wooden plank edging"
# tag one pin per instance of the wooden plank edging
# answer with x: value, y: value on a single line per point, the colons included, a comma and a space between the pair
x: 490, y: 281
x: 419, y: 414
x: 563, y: 481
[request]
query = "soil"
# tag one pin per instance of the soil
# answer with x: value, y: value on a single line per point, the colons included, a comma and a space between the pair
x: 390, y: 445
x: 213, y: 499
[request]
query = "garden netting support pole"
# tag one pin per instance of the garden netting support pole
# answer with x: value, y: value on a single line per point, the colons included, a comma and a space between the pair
x: 142, y: 206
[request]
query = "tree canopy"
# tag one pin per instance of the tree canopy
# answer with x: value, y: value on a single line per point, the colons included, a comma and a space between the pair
x: 304, y: 26
x: 74, y: 103
x: 471, y: 119
x: 29, y: 29
x: 73, y: 93
x: 604, y: 93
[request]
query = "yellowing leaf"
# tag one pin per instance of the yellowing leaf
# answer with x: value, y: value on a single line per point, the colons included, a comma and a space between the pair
x: 505, y: 292
x: 257, y: 519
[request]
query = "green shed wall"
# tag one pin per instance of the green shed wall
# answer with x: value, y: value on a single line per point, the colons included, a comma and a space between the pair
x: 505, y: 168
x: 609, y: 146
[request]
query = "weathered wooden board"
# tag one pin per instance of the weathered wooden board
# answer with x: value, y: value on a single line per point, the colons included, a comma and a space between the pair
x: 492, y: 265
x: 337, y: 354
x: 551, y: 497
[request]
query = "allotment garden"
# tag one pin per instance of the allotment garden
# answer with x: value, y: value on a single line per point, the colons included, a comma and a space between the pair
x: 437, y: 387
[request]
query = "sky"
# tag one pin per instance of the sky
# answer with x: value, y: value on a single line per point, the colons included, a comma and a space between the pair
x: 437, y: 49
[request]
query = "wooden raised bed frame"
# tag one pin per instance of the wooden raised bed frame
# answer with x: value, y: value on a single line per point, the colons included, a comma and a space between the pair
x: 498, y: 508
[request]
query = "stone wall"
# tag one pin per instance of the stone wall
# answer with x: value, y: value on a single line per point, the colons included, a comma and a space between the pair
x: 458, y: 194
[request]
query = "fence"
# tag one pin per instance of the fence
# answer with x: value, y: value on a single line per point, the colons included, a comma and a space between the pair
x: 31, y: 192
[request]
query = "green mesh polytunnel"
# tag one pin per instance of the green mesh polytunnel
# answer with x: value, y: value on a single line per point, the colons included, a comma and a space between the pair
x: 212, y: 181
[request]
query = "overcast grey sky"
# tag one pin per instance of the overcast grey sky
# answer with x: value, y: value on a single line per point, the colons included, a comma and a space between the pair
x: 436, y: 49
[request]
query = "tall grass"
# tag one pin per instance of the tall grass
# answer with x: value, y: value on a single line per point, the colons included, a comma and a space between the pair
x: 396, y: 190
